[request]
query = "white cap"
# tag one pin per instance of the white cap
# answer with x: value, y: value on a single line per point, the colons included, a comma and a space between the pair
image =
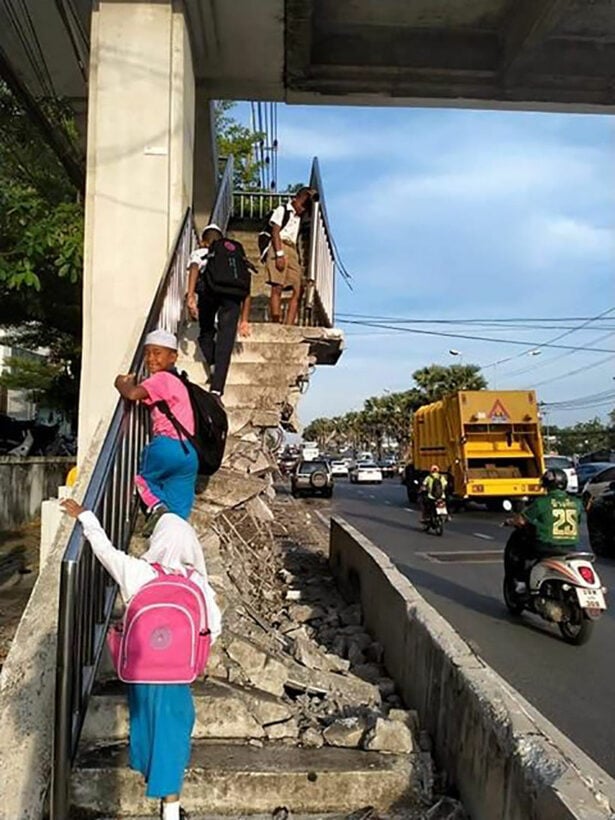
x: 162, y: 338
x: 212, y: 227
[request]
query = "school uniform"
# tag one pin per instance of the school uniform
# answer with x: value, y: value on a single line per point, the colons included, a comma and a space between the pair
x: 218, y: 319
x: 169, y: 466
x: 161, y: 715
x: 292, y: 275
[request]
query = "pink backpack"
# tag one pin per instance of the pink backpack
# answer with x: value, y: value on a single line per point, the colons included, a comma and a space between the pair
x: 164, y: 636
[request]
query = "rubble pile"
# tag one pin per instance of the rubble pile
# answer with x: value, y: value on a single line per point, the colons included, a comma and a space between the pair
x: 293, y: 654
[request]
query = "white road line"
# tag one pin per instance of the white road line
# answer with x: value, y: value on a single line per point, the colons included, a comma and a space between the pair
x: 483, y: 536
x: 388, y: 502
x: 372, y: 496
x: 407, y: 509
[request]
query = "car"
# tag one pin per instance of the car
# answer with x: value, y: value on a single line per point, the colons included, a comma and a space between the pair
x: 365, y: 472
x: 601, y: 522
x: 287, y: 464
x: 590, y: 469
x: 567, y: 465
x: 388, y: 467
x: 312, y: 477
x: 598, y: 484
x: 339, y: 468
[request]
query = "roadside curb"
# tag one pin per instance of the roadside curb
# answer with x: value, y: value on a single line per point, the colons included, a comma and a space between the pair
x: 507, y: 760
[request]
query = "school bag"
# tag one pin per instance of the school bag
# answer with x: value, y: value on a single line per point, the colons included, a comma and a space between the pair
x: 437, y: 490
x: 164, y: 636
x: 226, y: 271
x: 264, y: 236
x: 210, y: 425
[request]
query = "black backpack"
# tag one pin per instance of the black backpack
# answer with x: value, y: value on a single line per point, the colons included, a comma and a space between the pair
x: 227, y: 271
x: 264, y: 236
x: 437, y: 490
x: 210, y: 426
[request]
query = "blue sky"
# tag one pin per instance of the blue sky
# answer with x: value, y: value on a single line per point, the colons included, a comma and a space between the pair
x: 447, y: 214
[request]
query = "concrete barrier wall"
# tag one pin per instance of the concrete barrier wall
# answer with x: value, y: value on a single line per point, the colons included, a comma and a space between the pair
x: 506, y: 759
x: 25, y: 482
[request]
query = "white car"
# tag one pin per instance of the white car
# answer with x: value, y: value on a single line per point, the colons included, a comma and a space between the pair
x: 565, y: 464
x: 366, y: 472
x: 339, y: 468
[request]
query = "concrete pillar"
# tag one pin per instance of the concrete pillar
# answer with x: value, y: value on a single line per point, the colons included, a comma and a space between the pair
x: 205, y: 159
x: 139, y: 181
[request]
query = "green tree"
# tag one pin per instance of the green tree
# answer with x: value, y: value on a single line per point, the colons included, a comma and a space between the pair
x: 583, y: 437
x: 436, y: 381
x: 41, y: 241
x: 241, y: 142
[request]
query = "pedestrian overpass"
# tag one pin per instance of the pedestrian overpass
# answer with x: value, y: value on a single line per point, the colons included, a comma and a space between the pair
x: 140, y: 76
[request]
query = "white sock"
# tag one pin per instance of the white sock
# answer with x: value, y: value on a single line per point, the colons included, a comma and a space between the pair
x: 170, y: 811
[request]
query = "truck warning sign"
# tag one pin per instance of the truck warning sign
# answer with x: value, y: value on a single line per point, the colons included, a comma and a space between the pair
x: 498, y: 413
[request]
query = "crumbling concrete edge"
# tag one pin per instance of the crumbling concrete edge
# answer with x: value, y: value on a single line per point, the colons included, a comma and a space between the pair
x: 507, y: 760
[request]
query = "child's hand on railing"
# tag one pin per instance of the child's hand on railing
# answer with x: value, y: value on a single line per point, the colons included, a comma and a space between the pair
x: 71, y: 507
x: 244, y: 329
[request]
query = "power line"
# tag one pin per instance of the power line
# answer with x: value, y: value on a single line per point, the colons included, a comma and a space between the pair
x: 474, y: 337
x: 573, y: 372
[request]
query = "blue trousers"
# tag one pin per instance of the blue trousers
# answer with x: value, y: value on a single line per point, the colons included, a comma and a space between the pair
x: 168, y: 475
x: 161, y: 721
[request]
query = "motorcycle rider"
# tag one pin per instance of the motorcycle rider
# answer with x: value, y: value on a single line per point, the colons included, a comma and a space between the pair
x: 549, y: 526
x: 432, y: 489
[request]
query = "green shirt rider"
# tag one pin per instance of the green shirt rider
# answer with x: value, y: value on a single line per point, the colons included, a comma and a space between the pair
x: 549, y: 526
x: 428, y: 498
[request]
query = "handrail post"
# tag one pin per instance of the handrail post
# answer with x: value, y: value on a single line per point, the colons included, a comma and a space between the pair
x: 63, y: 740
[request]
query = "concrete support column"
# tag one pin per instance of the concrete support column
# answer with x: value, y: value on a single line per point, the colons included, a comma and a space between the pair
x: 139, y: 181
x: 205, y: 159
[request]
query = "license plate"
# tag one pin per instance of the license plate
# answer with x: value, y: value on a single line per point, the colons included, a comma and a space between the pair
x: 591, y: 599
x: 441, y: 510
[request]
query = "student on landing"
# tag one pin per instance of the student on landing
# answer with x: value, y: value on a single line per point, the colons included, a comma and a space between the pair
x: 167, y: 477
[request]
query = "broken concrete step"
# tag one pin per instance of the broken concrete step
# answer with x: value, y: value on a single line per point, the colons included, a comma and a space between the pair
x: 226, y: 488
x: 272, y: 374
x: 258, y: 397
x: 228, y: 779
x: 245, y: 418
x: 223, y: 712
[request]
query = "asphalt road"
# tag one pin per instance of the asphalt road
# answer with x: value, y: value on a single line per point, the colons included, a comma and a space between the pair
x: 574, y: 687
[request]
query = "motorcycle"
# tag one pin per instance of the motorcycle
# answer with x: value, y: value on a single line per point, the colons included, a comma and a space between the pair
x: 564, y: 590
x: 438, y: 514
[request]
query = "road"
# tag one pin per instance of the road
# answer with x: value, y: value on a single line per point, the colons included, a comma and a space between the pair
x: 574, y: 687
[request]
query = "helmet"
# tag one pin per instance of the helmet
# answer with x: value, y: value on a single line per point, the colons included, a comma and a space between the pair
x: 434, y: 468
x: 555, y: 479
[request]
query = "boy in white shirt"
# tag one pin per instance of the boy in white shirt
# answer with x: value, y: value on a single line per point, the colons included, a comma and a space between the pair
x: 284, y: 271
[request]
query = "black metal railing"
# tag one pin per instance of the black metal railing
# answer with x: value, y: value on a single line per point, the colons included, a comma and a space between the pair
x: 87, y: 593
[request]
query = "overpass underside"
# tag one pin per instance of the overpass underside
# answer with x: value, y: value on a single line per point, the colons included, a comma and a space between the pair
x: 528, y: 54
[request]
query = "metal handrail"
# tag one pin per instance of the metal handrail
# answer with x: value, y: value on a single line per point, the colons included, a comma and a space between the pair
x: 257, y: 205
x: 321, y: 264
x: 223, y: 204
x: 87, y: 593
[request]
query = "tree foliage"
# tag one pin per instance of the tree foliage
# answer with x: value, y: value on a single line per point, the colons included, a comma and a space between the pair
x: 41, y: 242
x: 388, y: 418
x: 238, y: 140
x: 584, y: 437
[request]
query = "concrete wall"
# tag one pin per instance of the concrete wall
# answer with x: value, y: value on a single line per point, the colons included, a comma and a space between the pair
x: 25, y: 483
x: 506, y: 759
x: 141, y: 112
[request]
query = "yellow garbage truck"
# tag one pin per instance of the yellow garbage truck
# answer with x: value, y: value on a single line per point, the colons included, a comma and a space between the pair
x: 488, y: 443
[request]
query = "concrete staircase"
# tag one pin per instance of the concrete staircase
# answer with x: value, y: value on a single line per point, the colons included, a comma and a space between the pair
x: 242, y: 761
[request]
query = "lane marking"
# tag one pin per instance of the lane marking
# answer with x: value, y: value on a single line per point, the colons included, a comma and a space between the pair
x: 372, y: 496
x: 464, y: 556
x: 407, y: 509
x: 388, y: 503
x: 482, y: 535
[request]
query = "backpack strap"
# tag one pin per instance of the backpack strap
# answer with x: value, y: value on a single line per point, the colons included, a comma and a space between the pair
x: 183, y: 434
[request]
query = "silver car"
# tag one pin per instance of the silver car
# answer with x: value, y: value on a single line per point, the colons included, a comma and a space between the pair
x: 312, y: 478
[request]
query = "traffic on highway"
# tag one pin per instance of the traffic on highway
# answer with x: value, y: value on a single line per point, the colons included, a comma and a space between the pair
x: 461, y: 573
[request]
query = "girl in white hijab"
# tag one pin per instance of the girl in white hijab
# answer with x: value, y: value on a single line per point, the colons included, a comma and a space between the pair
x: 161, y: 715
